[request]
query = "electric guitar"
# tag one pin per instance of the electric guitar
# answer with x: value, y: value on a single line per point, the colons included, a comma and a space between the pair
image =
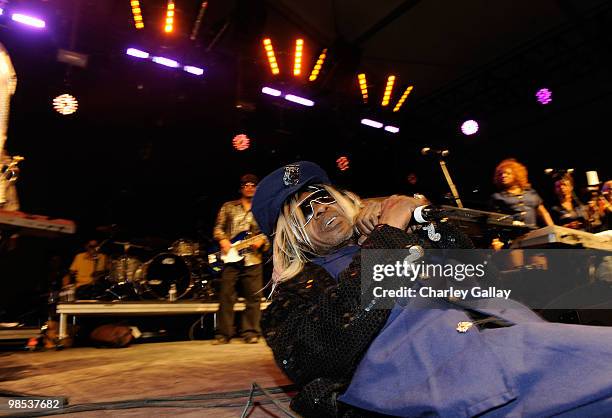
x: 240, y: 246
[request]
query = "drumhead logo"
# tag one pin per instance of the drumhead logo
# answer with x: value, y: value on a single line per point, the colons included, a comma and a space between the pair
x: 292, y: 175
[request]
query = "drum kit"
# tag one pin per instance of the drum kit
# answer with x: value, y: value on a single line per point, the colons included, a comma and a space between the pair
x: 178, y: 272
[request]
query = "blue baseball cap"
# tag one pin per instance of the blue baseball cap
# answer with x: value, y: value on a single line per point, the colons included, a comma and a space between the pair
x: 274, y: 189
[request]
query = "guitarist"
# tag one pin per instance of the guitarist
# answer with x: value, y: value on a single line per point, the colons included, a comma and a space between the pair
x: 233, y: 218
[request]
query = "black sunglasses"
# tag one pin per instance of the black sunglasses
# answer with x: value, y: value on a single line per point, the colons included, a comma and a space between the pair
x: 320, y: 196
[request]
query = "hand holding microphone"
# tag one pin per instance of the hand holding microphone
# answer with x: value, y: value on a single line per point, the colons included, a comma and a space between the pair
x: 395, y: 211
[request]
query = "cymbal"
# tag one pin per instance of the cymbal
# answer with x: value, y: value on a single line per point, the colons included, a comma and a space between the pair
x: 112, y: 246
x: 132, y: 245
x: 138, y: 243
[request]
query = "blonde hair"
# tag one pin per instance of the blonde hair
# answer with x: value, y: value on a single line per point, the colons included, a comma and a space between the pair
x: 292, y: 245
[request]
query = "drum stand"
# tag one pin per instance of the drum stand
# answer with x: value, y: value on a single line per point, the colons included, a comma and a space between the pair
x: 115, y: 296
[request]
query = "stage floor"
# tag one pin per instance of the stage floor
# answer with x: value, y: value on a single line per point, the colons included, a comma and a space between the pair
x: 150, y: 370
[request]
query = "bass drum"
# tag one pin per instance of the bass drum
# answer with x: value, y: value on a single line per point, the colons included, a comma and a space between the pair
x: 157, y: 276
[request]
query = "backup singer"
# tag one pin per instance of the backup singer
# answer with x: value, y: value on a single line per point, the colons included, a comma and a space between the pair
x: 515, y: 196
x: 569, y: 212
x: 409, y: 361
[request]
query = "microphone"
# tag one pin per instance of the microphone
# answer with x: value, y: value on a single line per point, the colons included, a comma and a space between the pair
x: 431, y: 151
x: 422, y: 214
x: 427, y: 213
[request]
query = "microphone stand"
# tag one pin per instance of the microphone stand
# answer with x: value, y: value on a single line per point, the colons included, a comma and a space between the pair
x: 449, y: 180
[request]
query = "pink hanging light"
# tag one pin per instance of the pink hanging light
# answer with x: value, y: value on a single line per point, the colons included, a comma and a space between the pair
x: 343, y: 163
x: 241, y: 142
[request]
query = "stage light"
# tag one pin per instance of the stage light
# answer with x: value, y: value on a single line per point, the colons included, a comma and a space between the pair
x: 165, y: 61
x: 544, y: 96
x: 137, y: 14
x: 271, y: 92
x: 169, y: 17
x: 363, y: 86
x: 343, y: 163
x: 402, y: 99
x: 469, y: 127
x: 65, y: 104
x: 317, y: 68
x: 241, y: 142
x: 198, y: 21
x: 193, y: 70
x: 392, y: 129
x: 388, y: 90
x: 28, y: 20
x: 1, y: 11
x: 137, y: 53
x: 299, y: 100
x: 297, y: 60
x: 372, y: 123
x: 271, y: 58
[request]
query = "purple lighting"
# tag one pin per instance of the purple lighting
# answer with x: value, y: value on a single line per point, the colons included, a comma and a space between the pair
x: 165, y: 61
x: 372, y: 123
x: 28, y: 20
x: 392, y: 129
x: 137, y: 53
x: 271, y: 92
x: 299, y: 100
x: 469, y: 127
x: 193, y: 70
x: 544, y: 96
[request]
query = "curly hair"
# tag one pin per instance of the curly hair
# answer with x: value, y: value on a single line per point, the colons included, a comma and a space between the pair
x: 519, y: 171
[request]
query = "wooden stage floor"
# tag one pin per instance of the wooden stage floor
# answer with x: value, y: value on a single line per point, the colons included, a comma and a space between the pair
x: 151, y: 370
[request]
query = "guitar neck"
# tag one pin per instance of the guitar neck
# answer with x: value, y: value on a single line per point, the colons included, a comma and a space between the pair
x: 247, y: 242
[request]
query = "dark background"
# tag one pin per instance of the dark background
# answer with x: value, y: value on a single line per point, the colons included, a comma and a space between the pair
x: 149, y: 148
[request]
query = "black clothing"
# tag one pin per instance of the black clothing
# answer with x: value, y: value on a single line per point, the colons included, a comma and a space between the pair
x: 563, y: 217
x: 251, y: 284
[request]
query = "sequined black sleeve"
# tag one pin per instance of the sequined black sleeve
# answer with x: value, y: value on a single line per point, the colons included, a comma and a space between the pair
x: 316, y: 327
